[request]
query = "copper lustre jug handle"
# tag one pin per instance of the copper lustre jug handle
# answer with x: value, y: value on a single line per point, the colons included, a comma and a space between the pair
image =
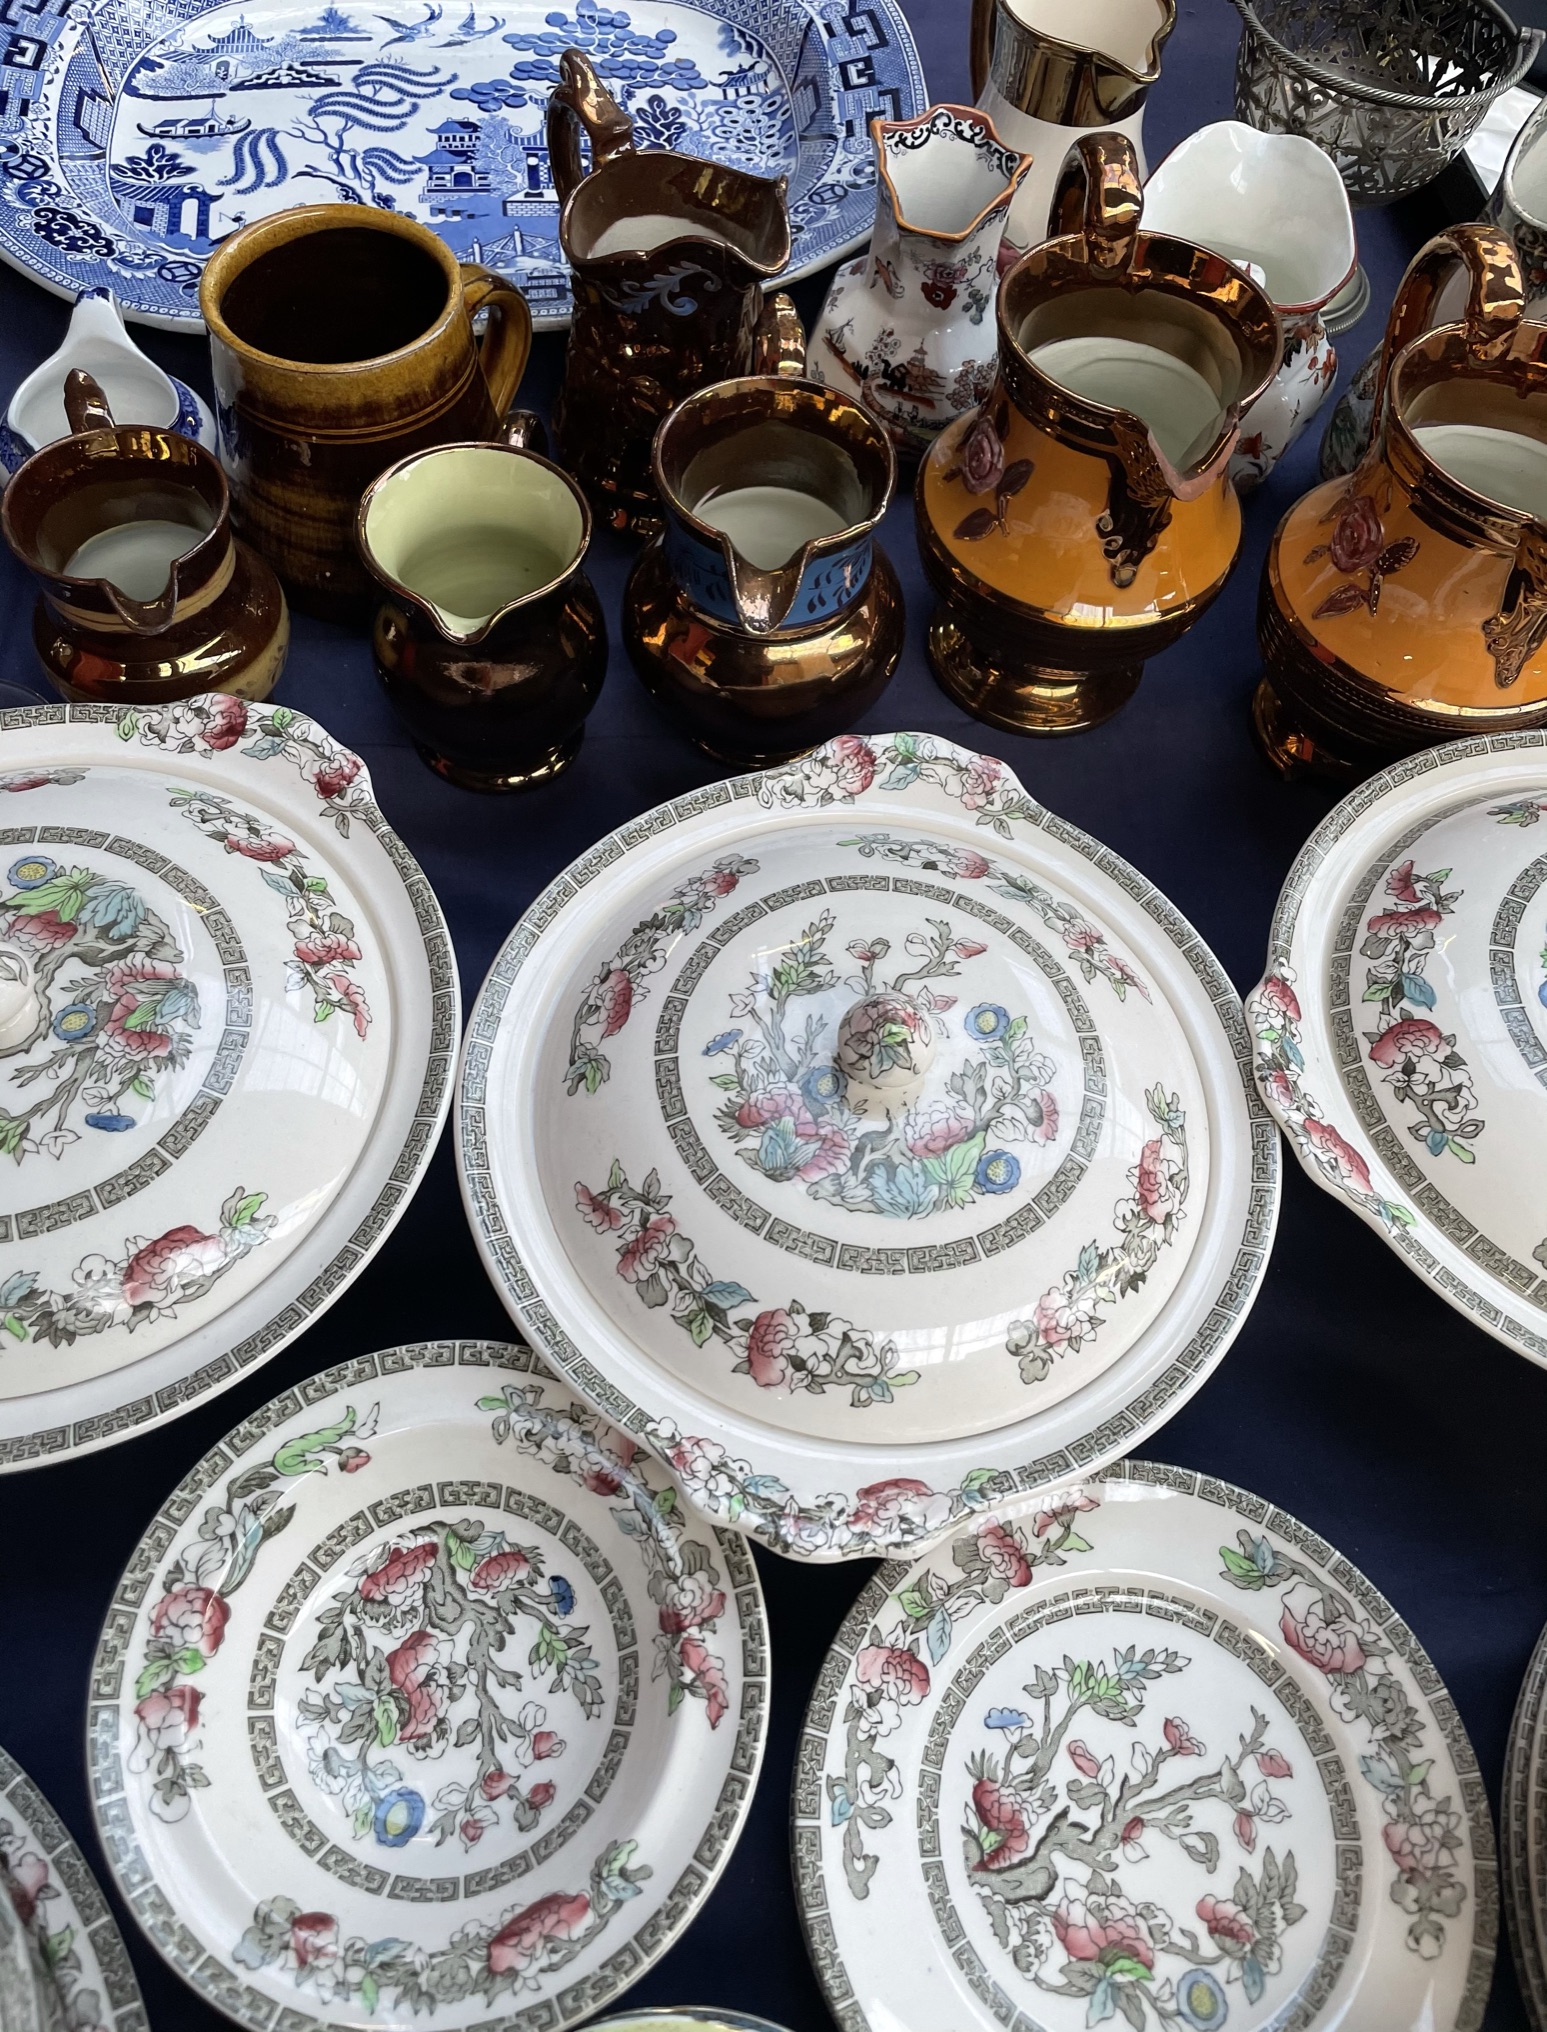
x: 581, y: 104
x: 982, y: 48
x: 781, y: 340
x: 1495, y: 304
x: 1100, y: 198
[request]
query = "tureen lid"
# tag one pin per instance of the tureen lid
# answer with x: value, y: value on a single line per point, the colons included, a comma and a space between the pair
x: 227, y: 1008
x: 864, y: 1138
x: 1401, y: 1027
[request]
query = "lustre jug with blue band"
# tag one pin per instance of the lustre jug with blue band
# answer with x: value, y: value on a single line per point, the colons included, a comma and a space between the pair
x: 765, y: 618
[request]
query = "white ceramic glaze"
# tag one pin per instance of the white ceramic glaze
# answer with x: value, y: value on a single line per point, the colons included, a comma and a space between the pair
x: 230, y: 1004
x: 869, y: 1140
x: 55, y: 1900
x: 422, y: 1703
x: 137, y: 390
x: 1154, y: 1756
x: 1523, y: 1836
x: 909, y: 327
x: 1273, y: 203
x: 1402, y: 1025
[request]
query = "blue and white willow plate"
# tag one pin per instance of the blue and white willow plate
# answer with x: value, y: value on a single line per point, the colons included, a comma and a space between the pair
x: 136, y: 134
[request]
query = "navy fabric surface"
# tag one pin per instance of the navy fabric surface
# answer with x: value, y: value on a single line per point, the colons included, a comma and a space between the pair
x: 1354, y: 1397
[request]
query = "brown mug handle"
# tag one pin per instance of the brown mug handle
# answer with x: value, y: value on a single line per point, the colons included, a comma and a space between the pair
x: 781, y: 340
x: 85, y: 405
x: 506, y: 346
x: 982, y: 44
x: 581, y: 104
x: 1495, y: 304
x: 1100, y: 198
x: 524, y: 431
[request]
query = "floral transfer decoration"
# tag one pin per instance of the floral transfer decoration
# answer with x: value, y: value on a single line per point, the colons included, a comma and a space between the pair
x: 37, y: 1900
x: 92, y: 994
x: 217, y: 723
x: 1275, y: 1017
x: 806, y: 1100
x: 1358, y: 548
x: 1070, y: 1314
x: 1525, y: 811
x: 610, y: 996
x: 844, y: 769
x: 501, y: 1958
x: 683, y: 1580
x: 786, y: 1347
x: 36, y: 779
x: 981, y: 469
x: 1423, y: 1835
x: 891, y: 1671
x: 1417, y: 1060
x: 422, y: 1655
x: 1050, y: 1825
x: 148, y: 1281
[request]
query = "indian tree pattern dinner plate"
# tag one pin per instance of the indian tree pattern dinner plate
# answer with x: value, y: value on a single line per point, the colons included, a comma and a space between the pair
x: 422, y: 1702
x: 1156, y: 1756
x: 1401, y: 1027
x: 228, y: 1006
x: 868, y: 1142
x: 1523, y: 1833
x: 136, y: 134
x: 56, y: 1899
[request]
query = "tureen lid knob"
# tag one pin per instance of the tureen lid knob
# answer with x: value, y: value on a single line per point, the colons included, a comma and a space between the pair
x: 887, y: 1042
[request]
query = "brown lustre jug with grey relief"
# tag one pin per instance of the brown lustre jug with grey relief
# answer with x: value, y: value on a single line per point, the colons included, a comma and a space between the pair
x: 669, y: 255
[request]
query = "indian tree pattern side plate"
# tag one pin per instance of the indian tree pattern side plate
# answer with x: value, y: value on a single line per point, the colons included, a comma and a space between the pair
x: 1401, y: 1027
x: 135, y: 134
x: 1155, y: 1756
x: 868, y: 1142
x: 422, y: 1701
x: 1523, y: 1835
x: 56, y: 1899
x: 228, y: 1007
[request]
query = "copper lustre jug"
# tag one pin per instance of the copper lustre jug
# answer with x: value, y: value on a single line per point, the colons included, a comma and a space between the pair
x: 1407, y: 605
x: 669, y: 255
x: 1083, y: 518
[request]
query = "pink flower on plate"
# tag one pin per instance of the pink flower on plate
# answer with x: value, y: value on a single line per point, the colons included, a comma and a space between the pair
x: 495, y: 1784
x: 499, y: 1570
x: 1155, y: 1184
x: 1274, y: 1764
x: 191, y: 1619
x: 546, y: 1743
x: 1276, y: 995
x: 400, y: 1575
x: 831, y: 1153
x: 1424, y: 919
x: 1280, y: 1089
x: 615, y: 997
x: 142, y: 1041
x: 352, y: 995
x: 415, y: 1671
x: 968, y: 948
x: 1333, y: 1645
x: 43, y: 930
x: 1339, y: 1155
x: 1180, y: 1740
x: 1224, y: 1921
x: 1103, y: 1930
x: 981, y: 780
x: 708, y: 1672
x: 1084, y: 1761
x: 1003, y: 1818
x: 600, y: 1480
x: 520, y: 1942
x: 326, y: 949
x: 159, y: 1272
x: 1046, y: 1130
x: 898, y: 1504
x: 1414, y: 1037
x: 226, y: 722
x: 314, y: 1939
x: 597, y: 1212
x: 854, y: 764
x: 692, y: 1601
x: 27, y: 1881
x: 778, y: 1104
x: 137, y: 971
x: 1060, y: 1512
x: 968, y: 864
x: 542, y: 1795
x: 1400, y: 883
x: 720, y: 881
x: 1004, y: 1555
x: 936, y: 1127
x: 168, y: 1718
x: 1246, y: 1830
x: 275, y: 849
x: 982, y: 458
x: 894, y: 1672
x: 335, y: 777
x: 643, y: 1256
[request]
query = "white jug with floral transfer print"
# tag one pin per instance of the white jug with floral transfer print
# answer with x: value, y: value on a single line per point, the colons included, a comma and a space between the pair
x: 908, y: 328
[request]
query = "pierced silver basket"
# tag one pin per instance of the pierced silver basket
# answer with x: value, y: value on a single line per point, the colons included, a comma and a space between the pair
x: 1391, y: 89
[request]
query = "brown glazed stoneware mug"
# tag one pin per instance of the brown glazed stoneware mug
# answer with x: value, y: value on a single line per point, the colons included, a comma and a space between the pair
x: 342, y: 340
x: 489, y: 641
x: 669, y: 255
x: 147, y: 596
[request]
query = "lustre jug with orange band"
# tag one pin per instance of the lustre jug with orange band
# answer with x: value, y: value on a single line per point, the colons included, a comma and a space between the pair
x: 1083, y: 518
x: 1407, y: 605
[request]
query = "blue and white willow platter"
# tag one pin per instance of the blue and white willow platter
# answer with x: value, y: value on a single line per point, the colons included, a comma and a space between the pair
x: 136, y: 134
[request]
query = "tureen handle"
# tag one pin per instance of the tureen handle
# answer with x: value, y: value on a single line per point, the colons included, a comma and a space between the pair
x: 582, y: 104
x: 1495, y: 304
x: 1100, y: 197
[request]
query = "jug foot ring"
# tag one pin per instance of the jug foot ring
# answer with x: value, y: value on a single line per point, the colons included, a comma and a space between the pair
x: 540, y: 769
x: 739, y: 758
x: 1025, y: 697
x: 1293, y: 751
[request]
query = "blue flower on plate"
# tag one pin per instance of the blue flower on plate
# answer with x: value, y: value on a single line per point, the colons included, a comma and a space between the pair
x: 987, y: 1021
x: 563, y: 1594
x: 1541, y: 994
x: 1005, y: 1718
x: 115, y: 1123
x: 823, y: 1085
x: 32, y: 871
x: 1201, y: 2001
x: 74, y: 1022
x: 998, y: 1171
x: 724, y: 1042
x: 399, y: 1817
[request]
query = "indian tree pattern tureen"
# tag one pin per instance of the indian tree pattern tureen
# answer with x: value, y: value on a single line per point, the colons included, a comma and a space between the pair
x: 57, y: 1902
x: 228, y: 1005
x: 868, y: 1142
x: 137, y: 134
x: 1401, y: 1028
x: 422, y: 1701
x: 1154, y: 1756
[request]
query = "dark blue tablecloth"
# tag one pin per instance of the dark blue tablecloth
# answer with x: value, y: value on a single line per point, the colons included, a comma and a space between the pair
x: 1354, y: 1397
